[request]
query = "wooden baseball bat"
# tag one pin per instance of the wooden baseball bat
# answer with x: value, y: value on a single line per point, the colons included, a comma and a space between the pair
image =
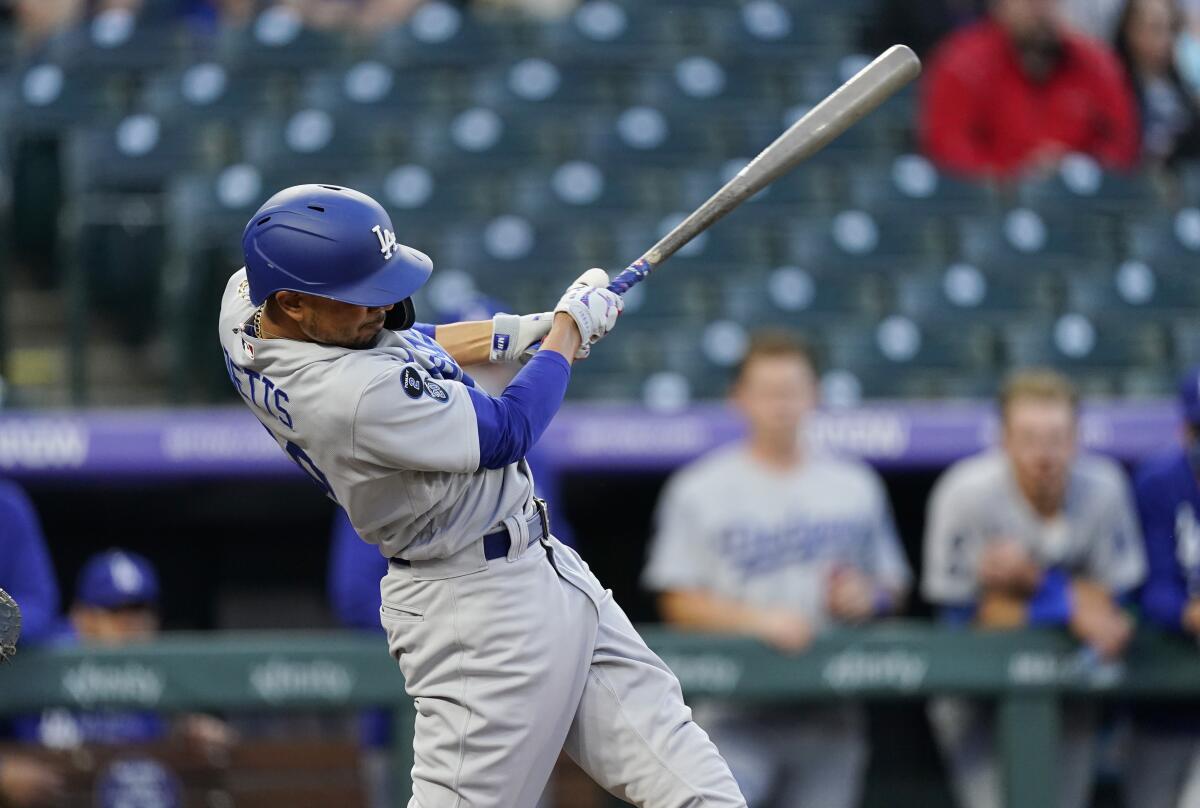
x: 850, y: 103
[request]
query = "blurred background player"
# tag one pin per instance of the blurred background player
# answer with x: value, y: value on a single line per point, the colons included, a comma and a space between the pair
x: 771, y: 538
x: 26, y: 571
x: 986, y: 89
x: 27, y: 574
x: 1164, y: 751
x: 1031, y: 533
x: 116, y: 603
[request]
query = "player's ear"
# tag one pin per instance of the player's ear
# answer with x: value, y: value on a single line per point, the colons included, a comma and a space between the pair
x: 290, y: 303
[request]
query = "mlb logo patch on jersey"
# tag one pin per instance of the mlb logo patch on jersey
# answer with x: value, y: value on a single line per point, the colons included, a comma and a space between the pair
x: 410, y: 379
x: 436, y: 391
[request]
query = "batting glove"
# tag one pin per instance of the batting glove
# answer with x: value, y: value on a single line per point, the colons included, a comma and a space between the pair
x: 513, y: 334
x: 593, y: 308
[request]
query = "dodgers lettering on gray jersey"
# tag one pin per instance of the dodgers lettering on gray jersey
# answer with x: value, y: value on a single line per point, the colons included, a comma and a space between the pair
x: 977, y: 501
x: 729, y: 526
x: 388, y: 431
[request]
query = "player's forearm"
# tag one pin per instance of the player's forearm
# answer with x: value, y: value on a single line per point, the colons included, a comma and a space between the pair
x: 563, y: 338
x: 468, y: 343
x: 701, y: 611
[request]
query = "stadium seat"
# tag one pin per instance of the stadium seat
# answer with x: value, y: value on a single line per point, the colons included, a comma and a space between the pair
x: 650, y: 136
x: 962, y: 292
x: 419, y: 198
x: 859, y: 240
x: 138, y: 154
x: 118, y: 39
x: 576, y: 190
x: 485, y: 139
x: 1081, y: 184
x: 790, y: 296
x: 207, y: 91
x: 441, y: 33
x: 1074, y: 340
x: 771, y: 30
x: 533, y: 81
x: 1021, y: 235
x: 315, y: 141
x: 46, y: 97
x: 899, y: 343
x: 605, y: 31
x: 1135, y: 287
x: 276, y: 40
x: 911, y: 183
x: 1163, y: 238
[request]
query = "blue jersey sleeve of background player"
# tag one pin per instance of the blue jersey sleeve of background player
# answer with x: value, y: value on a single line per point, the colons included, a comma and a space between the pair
x: 509, y: 425
x: 355, y: 568
x: 1164, y: 594
x: 25, y: 569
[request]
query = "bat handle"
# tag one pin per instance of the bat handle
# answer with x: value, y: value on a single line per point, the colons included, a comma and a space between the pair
x: 631, y: 276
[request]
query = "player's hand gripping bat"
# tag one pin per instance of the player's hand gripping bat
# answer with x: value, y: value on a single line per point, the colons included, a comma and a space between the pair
x: 10, y: 626
x: 869, y: 88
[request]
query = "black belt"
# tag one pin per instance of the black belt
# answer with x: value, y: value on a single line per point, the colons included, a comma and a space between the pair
x: 496, y: 545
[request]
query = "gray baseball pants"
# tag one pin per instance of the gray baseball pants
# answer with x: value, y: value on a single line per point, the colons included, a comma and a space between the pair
x: 512, y: 660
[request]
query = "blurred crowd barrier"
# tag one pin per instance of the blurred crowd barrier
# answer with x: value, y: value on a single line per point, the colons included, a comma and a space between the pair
x: 1026, y: 673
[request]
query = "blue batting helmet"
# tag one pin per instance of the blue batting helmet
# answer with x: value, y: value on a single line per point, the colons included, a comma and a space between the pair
x: 333, y: 242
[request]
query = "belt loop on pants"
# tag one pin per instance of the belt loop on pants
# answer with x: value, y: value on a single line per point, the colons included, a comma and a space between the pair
x: 518, y: 536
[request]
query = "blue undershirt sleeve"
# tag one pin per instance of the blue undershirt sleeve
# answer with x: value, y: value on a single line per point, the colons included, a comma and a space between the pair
x: 957, y: 616
x: 428, y: 329
x: 510, y: 424
x: 1051, y: 603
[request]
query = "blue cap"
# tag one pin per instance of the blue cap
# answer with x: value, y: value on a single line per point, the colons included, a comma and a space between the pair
x: 117, y: 578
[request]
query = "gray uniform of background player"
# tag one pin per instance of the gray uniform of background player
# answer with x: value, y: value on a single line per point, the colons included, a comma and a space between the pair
x: 509, y: 661
x: 1097, y: 536
x: 729, y: 526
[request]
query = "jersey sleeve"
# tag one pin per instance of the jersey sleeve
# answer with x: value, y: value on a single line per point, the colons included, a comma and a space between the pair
x: 406, y: 419
x: 1117, y: 559
x: 681, y: 554
x: 952, y: 543
x: 1164, y: 595
x: 26, y: 572
x: 889, y: 566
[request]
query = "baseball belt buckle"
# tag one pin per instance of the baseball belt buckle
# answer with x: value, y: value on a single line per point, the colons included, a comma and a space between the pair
x: 544, y: 515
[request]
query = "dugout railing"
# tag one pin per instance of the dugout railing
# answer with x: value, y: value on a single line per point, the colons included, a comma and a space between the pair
x: 1026, y: 672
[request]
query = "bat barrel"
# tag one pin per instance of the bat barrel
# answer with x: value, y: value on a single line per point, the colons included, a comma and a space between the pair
x: 850, y: 103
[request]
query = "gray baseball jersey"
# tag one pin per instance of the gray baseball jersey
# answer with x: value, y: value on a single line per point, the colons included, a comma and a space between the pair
x: 732, y: 527
x: 977, y: 500
x: 388, y: 431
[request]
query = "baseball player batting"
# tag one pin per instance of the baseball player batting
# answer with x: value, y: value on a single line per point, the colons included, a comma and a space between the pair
x: 510, y: 647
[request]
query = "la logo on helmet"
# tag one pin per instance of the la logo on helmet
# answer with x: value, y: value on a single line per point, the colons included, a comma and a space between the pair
x: 387, y: 240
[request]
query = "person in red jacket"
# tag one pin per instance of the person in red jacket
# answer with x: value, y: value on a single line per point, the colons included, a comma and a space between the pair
x: 1012, y: 94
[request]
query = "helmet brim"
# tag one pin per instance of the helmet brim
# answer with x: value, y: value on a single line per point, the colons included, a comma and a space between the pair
x: 403, y: 274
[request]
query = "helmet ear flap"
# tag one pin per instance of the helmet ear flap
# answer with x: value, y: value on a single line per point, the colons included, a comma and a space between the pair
x: 401, y: 317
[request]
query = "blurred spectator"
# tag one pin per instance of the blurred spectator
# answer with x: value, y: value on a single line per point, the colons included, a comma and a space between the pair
x: 773, y: 539
x: 1031, y: 534
x: 1096, y: 18
x: 116, y: 603
x: 1170, y: 113
x: 1016, y: 92
x: 1187, y: 45
x: 25, y: 569
x: 1165, y: 745
x: 919, y: 25
x: 28, y: 783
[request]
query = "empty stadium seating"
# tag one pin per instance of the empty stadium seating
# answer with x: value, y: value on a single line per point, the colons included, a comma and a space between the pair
x: 522, y: 151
